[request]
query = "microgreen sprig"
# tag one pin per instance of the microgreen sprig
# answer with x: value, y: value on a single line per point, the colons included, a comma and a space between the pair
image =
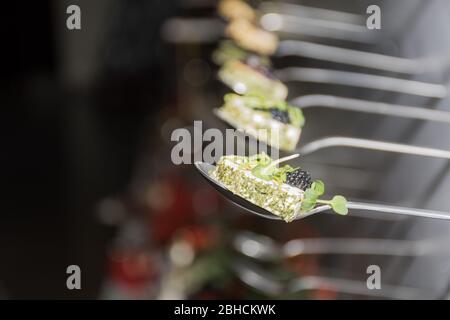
x: 311, y: 198
x: 269, y: 171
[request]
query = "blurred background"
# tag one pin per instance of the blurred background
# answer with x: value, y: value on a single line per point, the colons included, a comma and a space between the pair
x: 88, y: 180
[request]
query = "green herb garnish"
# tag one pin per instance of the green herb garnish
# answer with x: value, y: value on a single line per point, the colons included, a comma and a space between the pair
x: 311, y: 198
x: 270, y: 171
x: 296, y: 116
x: 261, y: 158
x: 339, y: 205
x: 280, y: 175
x: 228, y: 50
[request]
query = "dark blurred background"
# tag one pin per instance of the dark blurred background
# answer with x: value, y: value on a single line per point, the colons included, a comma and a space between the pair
x: 75, y: 106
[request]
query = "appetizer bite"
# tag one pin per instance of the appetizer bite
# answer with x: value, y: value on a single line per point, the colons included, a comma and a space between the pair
x: 251, y: 37
x: 282, y: 122
x: 284, y: 191
x: 228, y: 51
x: 236, y: 9
x: 251, y: 76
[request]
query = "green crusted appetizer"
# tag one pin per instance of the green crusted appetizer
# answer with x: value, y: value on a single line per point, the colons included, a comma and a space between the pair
x: 284, y: 191
x: 228, y: 51
x: 244, y: 77
x: 274, y: 122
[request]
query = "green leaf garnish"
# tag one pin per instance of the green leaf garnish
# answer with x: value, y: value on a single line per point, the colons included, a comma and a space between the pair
x: 263, y: 172
x: 281, y: 105
x: 319, y: 187
x: 296, y: 116
x: 269, y: 170
x: 311, y: 198
x: 339, y: 205
x: 228, y: 51
x: 280, y: 174
x: 262, y: 159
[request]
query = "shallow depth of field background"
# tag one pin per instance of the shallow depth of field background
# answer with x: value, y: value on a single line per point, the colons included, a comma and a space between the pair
x: 86, y: 164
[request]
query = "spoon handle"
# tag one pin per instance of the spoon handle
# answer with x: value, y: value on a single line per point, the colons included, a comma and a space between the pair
x: 399, y: 210
x: 374, y: 107
x: 329, y: 142
x: 351, y: 57
x: 362, y: 80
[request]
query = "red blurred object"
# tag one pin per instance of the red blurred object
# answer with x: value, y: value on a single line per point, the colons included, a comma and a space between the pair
x: 200, y: 237
x: 325, y: 294
x: 177, y: 212
x: 132, y: 268
x: 304, y: 265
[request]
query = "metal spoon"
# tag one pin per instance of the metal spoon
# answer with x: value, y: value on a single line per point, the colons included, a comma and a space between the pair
x: 199, y: 30
x: 362, y: 58
x: 365, y: 106
x: 264, y: 248
x: 297, y: 19
x: 358, y: 143
x: 263, y: 281
x: 205, y: 168
x: 287, y: 24
x: 310, y: 21
x: 298, y: 10
x: 210, y: 29
x: 362, y: 80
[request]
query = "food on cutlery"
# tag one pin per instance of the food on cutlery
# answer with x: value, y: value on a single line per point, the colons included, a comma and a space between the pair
x: 250, y: 37
x: 274, y: 122
x: 252, y: 77
x: 260, y: 180
x: 236, y: 9
x: 228, y: 51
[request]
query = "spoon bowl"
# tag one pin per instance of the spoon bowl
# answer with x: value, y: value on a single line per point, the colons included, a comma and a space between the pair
x: 205, y: 168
